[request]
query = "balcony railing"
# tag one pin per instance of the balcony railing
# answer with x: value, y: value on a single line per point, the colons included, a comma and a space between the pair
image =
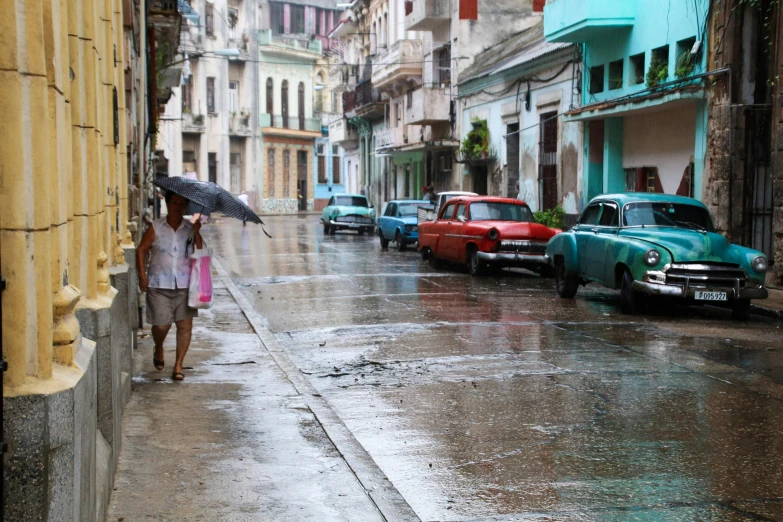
x: 583, y: 20
x: 429, y: 105
x: 342, y: 133
x: 426, y: 15
x: 399, y: 63
x: 193, y: 122
x: 239, y: 125
x: 343, y: 77
x: 295, y: 43
x: 276, y: 121
x: 367, y: 94
x: 241, y: 45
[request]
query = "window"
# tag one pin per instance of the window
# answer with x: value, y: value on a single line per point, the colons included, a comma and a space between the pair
x: 322, y: 178
x: 297, y: 19
x: 444, y: 65
x: 270, y: 96
x: 233, y: 21
x: 409, y: 98
x: 390, y: 210
x: 448, y: 210
x: 286, y: 173
x: 686, y: 61
x: 187, y: 98
x: 481, y: 211
x: 270, y: 173
x: 658, y: 72
x: 590, y: 215
x: 284, y: 102
x: 211, y: 95
x: 233, y: 97
x: 188, y: 156
x: 596, y: 79
x: 460, y: 211
x: 336, y: 165
x: 301, y: 106
x: 615, y: 75
x: 636, y: 72
x: 235, y: 168
x: 398, y: 117
x: 609, y: 216
x: 319, y: 21
x: 277, y: 18
x: 210, y: 19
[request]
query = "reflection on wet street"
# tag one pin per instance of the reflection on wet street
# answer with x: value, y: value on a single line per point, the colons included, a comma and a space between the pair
x: 493, y: 399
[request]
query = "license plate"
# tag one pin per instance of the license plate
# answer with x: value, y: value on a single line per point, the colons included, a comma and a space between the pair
x: 710, y: 296
x: 353, y: 225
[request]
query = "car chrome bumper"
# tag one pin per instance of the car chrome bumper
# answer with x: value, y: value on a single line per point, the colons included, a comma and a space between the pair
x: 690, y: 292
x: 514, y: 258
x: 343, y: 224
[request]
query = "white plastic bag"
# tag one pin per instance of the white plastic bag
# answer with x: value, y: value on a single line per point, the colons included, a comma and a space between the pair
x: 200, y: 290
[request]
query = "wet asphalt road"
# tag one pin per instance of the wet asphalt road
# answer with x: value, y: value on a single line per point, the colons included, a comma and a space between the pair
x: 493, y: 399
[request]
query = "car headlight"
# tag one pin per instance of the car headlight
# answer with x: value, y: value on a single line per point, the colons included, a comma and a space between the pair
x: 335, y: 211
x: 493, y: 234
x: 760, y: 264
x: 410, y: 228
x: 652, y: 257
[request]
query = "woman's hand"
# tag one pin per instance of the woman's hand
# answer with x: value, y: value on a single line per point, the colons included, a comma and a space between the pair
x: 197, y: 234
x: 143, y: 283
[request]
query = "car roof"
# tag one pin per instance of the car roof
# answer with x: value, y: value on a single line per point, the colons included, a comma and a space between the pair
x: 424, y: 201
x: 486, y: 199
x: 352, y: 195
x: 632, y: 197
x: 456, y: 193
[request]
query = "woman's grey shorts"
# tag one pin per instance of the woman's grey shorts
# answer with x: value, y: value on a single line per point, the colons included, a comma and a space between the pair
x: 168, y: 305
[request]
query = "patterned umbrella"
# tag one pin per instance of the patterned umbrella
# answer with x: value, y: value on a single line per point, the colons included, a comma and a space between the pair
x: 210, y: 196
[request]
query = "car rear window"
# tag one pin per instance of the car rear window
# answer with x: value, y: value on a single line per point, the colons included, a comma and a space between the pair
x: 482, y: 211
x: 351, y: 201
x: 411, y: 209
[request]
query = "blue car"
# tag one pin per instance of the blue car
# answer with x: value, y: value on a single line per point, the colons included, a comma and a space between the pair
x: 399, y: 222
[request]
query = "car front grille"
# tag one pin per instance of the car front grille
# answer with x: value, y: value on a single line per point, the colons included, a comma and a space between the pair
x: 354, y: 219
x: 523, y: 246
x: 706, y: 275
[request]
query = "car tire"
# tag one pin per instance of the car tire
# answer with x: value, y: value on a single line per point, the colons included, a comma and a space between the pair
x: 361, y: 231
x: 433, y: 261
x: 332, y: 230
x: 326, y: 228
x: 740, y: 309
x: 401, y: 244
x: 425, y: 253
x: 630, y: 300
x: 475, y: 264
x: 566, y: 284
x: 384, y: 241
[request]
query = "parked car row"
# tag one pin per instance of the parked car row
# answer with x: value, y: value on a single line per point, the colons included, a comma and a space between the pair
x: 645, y: 245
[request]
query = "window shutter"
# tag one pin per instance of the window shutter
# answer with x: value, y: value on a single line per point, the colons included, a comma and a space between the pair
x: 468, y: 9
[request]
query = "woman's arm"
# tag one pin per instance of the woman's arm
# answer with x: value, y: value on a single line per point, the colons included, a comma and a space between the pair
x: 141, y: 257
x: 197, y: 234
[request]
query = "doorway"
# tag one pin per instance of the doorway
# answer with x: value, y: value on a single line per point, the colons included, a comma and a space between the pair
x: 301, y: 179
x: 547, y: 160
x: 480, y: 185
x: 212, y: 163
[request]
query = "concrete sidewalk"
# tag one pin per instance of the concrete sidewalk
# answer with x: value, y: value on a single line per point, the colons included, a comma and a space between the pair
x: 236, y: 440
x: 772, y: 306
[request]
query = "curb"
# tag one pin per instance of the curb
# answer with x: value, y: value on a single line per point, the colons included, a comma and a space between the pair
x: 390, y: 503
x: 769, y: 313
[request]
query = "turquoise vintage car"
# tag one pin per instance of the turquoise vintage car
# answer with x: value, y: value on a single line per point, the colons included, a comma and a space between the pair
x: 348, y: 211
x: 400, y: 222
x: 656, y: 245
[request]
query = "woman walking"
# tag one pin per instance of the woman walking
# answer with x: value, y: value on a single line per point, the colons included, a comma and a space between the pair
x: 169, y: 241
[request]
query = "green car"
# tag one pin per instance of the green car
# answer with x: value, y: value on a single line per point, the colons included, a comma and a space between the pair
x: 656, y: 245
x: 348, y: 211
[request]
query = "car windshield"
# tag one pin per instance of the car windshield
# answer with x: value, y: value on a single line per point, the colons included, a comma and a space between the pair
x: 351, y: 201
x: 681, y: 215
x: 500, y: 212
x: 411, y: 209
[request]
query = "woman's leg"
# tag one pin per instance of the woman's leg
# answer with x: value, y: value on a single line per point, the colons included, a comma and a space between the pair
x: 159, y: 333
x: 184, y: 332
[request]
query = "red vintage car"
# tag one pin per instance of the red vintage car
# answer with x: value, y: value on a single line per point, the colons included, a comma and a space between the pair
x: 486, y: 231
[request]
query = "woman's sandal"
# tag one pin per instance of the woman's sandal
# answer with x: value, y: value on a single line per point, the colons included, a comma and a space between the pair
x: 159, y: 364
x: 177, y: 376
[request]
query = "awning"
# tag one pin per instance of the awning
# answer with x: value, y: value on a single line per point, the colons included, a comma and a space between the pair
x: 188, y: 12
x: 618, y: 107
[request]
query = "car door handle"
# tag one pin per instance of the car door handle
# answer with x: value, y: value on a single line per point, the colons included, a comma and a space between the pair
x: 595, y: 230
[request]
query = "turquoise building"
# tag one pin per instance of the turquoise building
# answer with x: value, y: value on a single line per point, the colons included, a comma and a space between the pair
x: 640, y: 93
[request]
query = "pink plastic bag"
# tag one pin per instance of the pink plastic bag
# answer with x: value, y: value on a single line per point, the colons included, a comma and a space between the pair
x: 200, y: 290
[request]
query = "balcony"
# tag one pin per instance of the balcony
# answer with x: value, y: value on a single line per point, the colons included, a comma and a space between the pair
x: 272, y: 124
x: 241, y: 45
x: 299, y: 44
x: 584, y: 20
x: 425, y: 15
x: 342, y: 133
x: 239, y: 125
x: 369, y: 101
x: 400, y: 136
x: 189, y: 42
x: 193, y: 122
x: 349, y: 101
x: 343, y: 77
x: 399, y: 64
x: 429, y: 105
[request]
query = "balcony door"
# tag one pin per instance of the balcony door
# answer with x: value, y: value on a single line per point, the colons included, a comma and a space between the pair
x: 301, y: 179
x: 301, y: 106
x: 284, y: 103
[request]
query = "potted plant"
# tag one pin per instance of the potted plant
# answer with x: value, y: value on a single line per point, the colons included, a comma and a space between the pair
x: 198, y: 119
x: 476, y: 143
x: 684, y: 66
x: 658, y: 71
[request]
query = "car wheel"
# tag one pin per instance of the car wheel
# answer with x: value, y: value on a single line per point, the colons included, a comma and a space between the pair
x: 332, y: 229
x: 433, y: 261
x: 474, y: 263
x: 401, y: 245
x: 566, y: 284
x: 384, y: 241
x: 361, y: 231
x: 740, y: 309
x: 326, y: 228
x: 425, y: 253
x: 629, y: 299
